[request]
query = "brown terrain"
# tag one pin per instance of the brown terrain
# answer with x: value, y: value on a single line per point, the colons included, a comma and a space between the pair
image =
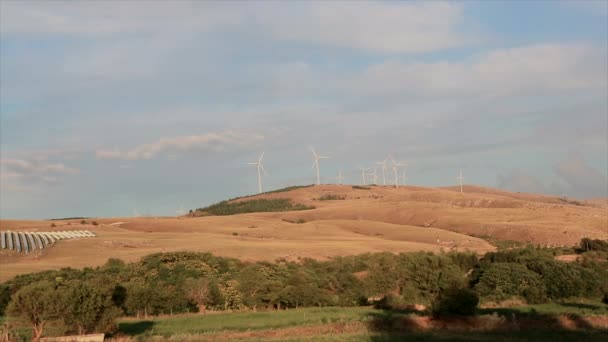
x: 380, y: 219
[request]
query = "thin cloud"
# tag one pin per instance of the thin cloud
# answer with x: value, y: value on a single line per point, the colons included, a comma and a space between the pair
x: 21, y: 174
x: 206, y: 142
x: 370, y: 26
x: 582, y: 179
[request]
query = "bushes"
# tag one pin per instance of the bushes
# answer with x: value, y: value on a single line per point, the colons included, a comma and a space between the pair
x: 502, y: 281
x: 358, y: 187
x: 253, y: 206
x: 181, y: 282
x: 330, y: 197
x: 562, y: 280
x: 593, y: 245
x: 459, y: 302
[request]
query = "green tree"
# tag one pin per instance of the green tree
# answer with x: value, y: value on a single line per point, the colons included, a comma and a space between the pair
x: 460, y: 302
x: 86, y: 305
x: 37, y: 304
x: 199, y: 291
x: 502, y: 281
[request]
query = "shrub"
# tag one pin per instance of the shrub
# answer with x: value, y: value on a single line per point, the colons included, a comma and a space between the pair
x: 605, y: 299
x: 253, y: 206
x: 563, y: 280
x: 329, y: 197
x: 358, y: 187
x: 235, y: 233
x: 460, y: 302
x: 53, y: 225
x: 593, y: 245
x: 94, y: 223
x: 503, y: 281
x: 298, y: 221
x: 83, y: 222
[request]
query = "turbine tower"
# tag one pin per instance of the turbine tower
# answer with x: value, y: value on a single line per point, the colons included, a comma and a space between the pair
x: 374, y: 175
x: 404, y: 177
x: 460, y: 178
x: 340, y: 178
x: 384, y: 167
x: 260, y: 167
x: 395, y: 167
x: 363, y: 170
x: 315, y: 163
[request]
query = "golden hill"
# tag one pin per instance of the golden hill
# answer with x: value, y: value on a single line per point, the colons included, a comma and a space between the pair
x: 379, y: 219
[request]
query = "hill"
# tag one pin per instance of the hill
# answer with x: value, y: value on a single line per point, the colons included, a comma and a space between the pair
x: 355, y: 221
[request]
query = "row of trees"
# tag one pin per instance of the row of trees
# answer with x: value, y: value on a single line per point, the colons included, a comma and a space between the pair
x: 81, y: 301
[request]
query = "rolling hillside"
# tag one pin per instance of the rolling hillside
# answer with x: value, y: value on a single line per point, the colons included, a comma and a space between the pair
x: 362, y: 220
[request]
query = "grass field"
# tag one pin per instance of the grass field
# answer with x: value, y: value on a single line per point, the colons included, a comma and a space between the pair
x: 572, y: 321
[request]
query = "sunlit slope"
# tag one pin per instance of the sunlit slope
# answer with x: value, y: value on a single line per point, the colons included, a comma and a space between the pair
x: 363, y: 220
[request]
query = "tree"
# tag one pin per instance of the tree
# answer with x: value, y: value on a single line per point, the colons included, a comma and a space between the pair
x: 84, y: 307
x: 199, y: 291
x: 502, y: 281
x: 37, y: 303
x: 461, y: 302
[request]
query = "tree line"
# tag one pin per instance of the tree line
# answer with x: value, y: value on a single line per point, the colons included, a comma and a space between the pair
x: 89, y: 300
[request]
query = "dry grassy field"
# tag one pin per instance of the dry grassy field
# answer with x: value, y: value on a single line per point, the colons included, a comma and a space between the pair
x: 379, y: 219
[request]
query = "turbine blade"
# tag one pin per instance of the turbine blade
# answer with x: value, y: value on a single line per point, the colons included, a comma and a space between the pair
x: 261, y: 156
x: 313, y: 152
x: 263, y: 169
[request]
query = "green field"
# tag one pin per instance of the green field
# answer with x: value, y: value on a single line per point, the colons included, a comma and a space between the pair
x: 363, y: 324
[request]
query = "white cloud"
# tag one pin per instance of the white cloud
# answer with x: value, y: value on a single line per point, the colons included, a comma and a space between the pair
x: 209, y: 142
x: 396, y: 27
x: 393, y: 27
x: 22, y: 175
x: 535, y: 70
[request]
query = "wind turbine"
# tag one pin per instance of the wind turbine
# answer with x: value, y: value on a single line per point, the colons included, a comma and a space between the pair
x: 395, y: 165
x: 384, y: 167
x: 460, y: 178
x: 404, y: 177
x: 316, y: 163
x: 374, y: 175
x: 260, y: 167
x: 340, y: 178
x: 180, y: 211
x: 363, y: 175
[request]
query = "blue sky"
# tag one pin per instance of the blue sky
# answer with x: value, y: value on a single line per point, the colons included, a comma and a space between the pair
x: 112, y: 108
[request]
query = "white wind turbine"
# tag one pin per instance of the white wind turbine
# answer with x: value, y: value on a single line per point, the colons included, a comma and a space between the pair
x: 460, y: 179
x: 363, y: 174
x: 395, y: 166
x: 404, y: 177
x: 340, y: 178
x: 373, y: 175
x: 315, y: 163
x: 384, y: 167
x: 260, y: 167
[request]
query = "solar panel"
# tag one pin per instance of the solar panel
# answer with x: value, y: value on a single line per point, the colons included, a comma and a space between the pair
x: 18, y: 242
x: 3, y: 239
x: 44, y: 238
x: 9, y: 236
x: 24, y: 244
x: 30, y: 239
x: 50, y: 237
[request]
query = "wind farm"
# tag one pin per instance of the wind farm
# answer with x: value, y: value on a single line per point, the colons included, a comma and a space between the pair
x: 299, y: 171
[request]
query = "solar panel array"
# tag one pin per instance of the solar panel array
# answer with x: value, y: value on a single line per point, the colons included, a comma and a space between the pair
x: 30, y: 241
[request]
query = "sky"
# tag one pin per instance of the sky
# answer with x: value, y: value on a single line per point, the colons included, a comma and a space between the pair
x: 112, y: 108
